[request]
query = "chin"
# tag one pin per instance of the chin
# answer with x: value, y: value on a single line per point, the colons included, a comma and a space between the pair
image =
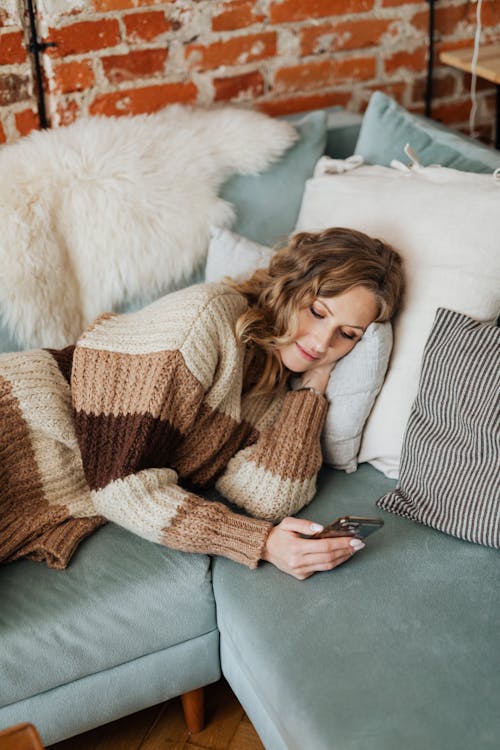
x: 292, y: 364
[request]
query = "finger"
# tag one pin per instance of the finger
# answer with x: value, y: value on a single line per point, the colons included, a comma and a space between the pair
x: 300, y: 526
x: 344, y: 544
x: 331, y: 558
x: 325, y: 558
x: 323, y: 561
x: 309, y: 570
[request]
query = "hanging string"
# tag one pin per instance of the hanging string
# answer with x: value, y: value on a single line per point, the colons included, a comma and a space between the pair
x: 477, y: 40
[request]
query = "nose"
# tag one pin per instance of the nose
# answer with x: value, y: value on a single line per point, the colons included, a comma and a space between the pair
x: 322, y: 342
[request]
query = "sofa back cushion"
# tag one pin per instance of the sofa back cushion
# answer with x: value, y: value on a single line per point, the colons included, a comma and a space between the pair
x: 267, y: 204
x: 387, y: 128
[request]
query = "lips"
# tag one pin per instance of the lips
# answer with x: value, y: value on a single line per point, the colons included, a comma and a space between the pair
x: 307, y: 355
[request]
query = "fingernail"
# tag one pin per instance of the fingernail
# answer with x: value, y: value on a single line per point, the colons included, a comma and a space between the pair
x: 315, y: 527
x: 357, y: 544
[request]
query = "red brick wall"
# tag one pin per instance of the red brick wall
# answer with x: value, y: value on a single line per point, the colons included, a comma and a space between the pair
x: 17, y: 101
x: 116, y: 57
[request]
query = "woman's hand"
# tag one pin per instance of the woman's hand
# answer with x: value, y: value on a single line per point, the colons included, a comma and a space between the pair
x: 290, y: 552
x: 317, y: 377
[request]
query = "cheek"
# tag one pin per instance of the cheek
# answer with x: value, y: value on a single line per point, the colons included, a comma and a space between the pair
x: 288, y: 357
x: 303, y: 326
x: 349, y: 345
x: 342, y: 347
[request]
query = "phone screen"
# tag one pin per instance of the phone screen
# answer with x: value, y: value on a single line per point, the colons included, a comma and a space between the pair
x: 358, y: 526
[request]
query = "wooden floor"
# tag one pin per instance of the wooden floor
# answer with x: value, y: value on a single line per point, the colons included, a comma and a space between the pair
x: 163, y: 728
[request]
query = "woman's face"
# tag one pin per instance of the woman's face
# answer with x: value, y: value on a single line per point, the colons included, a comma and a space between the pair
x: 329, y: 329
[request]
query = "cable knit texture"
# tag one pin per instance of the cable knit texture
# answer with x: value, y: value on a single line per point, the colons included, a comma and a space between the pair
x: 146, y: 404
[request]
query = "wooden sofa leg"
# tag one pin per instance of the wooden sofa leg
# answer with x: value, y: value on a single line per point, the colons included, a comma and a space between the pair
x: 193, y: 704
x: 20, y: 737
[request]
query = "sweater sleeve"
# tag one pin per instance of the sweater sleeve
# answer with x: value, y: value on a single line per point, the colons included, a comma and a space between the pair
x: 276, y: 476
x: 130, y: 410
x: 150, y: 503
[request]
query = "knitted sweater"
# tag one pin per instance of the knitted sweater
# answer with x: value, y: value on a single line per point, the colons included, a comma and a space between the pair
x: 154, y: 405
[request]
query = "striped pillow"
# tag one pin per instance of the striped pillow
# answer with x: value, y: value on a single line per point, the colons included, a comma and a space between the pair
x: 451, y: 453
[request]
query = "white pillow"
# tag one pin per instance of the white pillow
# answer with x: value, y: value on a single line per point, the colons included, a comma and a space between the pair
x: 352, y: 389
x: 446, y: 225
x: 356, y: 379
x: 229, y: 254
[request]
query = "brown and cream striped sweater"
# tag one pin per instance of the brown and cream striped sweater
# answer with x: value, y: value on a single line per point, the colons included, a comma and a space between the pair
x: 147, y: 403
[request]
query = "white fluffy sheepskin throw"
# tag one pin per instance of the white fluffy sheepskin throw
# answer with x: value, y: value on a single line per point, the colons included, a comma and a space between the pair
x: 112, y: 209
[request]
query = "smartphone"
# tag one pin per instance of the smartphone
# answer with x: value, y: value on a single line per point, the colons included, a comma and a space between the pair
x: 358, y: 526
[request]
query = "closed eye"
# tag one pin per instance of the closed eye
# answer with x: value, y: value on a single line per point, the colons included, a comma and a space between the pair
x: 316, y: 313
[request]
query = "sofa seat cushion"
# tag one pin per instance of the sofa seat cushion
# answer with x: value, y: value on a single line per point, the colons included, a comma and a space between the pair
x: 120, y: 598
x: 394, y: 649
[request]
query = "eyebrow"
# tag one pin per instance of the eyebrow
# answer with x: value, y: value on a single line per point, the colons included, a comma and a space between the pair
x: 348, y: 325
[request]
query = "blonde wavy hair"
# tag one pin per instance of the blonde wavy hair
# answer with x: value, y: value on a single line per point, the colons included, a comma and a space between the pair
x: 322, y: 264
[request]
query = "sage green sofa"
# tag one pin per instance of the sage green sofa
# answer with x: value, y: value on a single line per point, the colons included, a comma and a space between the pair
x: 397, y: 649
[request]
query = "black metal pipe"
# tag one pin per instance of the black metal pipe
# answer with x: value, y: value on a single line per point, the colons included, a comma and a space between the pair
x: 430, y: 62
x: 36, y: 47
x: 497, y: 123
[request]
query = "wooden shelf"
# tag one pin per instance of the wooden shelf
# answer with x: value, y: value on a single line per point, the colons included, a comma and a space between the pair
x: 488, y: 63
x: 487, y: 67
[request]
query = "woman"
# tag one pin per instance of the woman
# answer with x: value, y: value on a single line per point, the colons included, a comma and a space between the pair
x: 194, y: 391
